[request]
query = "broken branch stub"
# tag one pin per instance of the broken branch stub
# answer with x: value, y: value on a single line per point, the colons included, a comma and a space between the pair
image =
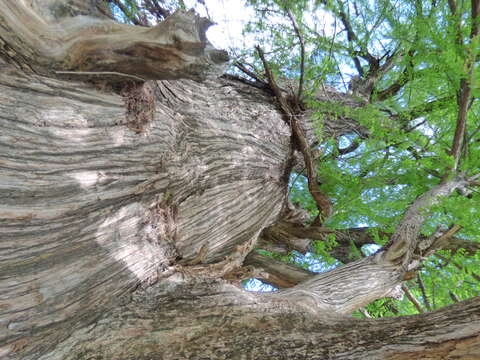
x: 88, y: 46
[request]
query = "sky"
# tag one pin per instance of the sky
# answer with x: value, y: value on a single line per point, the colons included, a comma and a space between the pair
x: 230, y: 16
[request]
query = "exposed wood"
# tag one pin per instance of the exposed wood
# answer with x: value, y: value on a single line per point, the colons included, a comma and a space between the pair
x: 175, y: 48
x: 123, y: 212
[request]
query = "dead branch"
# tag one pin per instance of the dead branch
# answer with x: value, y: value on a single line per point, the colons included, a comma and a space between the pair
x: 175, y: 48
x: 421, y: 285
x: 323, y: 203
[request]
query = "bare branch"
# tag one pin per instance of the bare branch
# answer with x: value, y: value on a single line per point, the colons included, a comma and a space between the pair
x: 453, y: 6
x: 465, y: 91
x: 302, y: 53
x: 322, y: 201
x: 364, y: 313
x: 394, y: 88
x: 453, y: 296
x: 350, y: 148
x: 421, y: 285
x: 475, y: 18
x: 423, y: 109
x: 412, y: 299
x: 280, y: 274
x: 286, y: 236
x: 136, y: 20
x: 463, y: 100
x: 250, y: 73
x: 405, y: 239
x: 156, y: 9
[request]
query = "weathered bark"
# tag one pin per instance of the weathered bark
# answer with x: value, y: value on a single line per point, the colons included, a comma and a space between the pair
x: 219, y: 321
x: 90, y: 209
x: 46, y: 38
x: 278, y: 273
x: 115, y: 226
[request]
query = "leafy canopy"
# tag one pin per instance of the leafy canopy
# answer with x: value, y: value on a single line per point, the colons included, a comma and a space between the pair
x: 414, y: 67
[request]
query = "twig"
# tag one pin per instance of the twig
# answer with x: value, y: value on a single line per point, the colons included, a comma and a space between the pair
x: 255, y: 84
x: 421, y: 285
x: 99, y: 73
x: 250, y: 73
x: 127, y: 13
x: 406, y: 116
x: 458, y: 266
x: 302, y: 53
x: 393, y: 89
x: 453, y: 296
x: 154, y: 8
x: 323, y: 203
x: 442, y: 240
x: 365, y: 313
x: 412, y: 299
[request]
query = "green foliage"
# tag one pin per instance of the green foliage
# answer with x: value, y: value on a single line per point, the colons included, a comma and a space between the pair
x: 410, y: 130
x: 322, y: 249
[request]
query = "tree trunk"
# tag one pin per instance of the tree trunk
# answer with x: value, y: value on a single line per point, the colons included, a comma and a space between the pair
x: 219, y: 321
x: 91, y: 208
x: 125, y: 202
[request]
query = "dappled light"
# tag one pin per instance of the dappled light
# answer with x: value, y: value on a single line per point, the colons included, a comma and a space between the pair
x: 299, y: 197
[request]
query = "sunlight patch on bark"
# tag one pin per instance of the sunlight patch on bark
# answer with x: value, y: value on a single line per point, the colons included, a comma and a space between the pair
x: 86, y: 179
x: 130, y: 236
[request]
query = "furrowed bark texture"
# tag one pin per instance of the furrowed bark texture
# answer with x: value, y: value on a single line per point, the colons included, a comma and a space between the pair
x: 123, y: 202
x: 219, y: 321
x: 90, y: 208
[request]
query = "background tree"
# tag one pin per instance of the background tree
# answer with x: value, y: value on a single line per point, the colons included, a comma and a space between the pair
x: 139, y: 188
x: 399, y: 59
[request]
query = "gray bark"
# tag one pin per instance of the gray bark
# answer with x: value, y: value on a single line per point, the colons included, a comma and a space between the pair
x: 277, y: 273
x: 74, y: 39
x: 90, y: 208
x: 121, y: 211
x: 220, y: 321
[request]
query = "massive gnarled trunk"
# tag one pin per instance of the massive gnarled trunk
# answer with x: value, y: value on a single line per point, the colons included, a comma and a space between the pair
x: 128, y: 209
